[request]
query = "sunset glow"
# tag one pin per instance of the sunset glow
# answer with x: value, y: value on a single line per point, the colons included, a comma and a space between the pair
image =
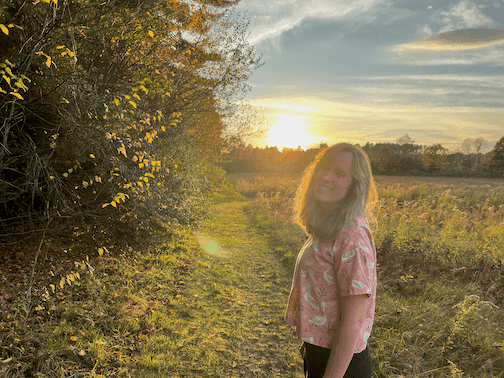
x: 289, y: 131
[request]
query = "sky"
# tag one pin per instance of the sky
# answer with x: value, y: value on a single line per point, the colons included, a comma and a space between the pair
x: 374, y: 70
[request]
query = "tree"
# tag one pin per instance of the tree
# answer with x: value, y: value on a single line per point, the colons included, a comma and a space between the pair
x: 479, y: 144
x: 385, y: 160
x: 497, y: 159
x: 467, y: 145
x: 405, y: 139
x: 434, y: 157
x: 115, y: 102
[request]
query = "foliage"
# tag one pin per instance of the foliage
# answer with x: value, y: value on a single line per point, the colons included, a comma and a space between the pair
x: 241, y: 158
x: 497, y: 162
x: 434, y: 157
x: 403, y: 158
x: 115, y: 104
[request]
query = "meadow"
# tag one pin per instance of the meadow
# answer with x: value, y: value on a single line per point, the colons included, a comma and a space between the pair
x: 440, y: 268
x: 210, y: 302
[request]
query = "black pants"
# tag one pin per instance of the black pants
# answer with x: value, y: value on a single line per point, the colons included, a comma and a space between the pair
x: 315, y: 361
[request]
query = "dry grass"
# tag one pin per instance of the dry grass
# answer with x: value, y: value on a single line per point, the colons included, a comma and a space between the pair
x: 440, y: 297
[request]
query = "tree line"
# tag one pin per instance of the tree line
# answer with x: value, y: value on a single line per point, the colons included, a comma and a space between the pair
x: 401, y: 158
x: 115, y: 106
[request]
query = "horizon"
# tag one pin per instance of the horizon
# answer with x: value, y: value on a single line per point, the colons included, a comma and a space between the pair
x: 374, y: 71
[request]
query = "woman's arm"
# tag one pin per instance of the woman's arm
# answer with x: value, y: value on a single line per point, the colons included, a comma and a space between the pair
x: 353, y: 313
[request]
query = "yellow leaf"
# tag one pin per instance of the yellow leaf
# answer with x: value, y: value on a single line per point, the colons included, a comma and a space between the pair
x: 140, y: 184
x: 105, y: 205
x: 17, y: 95
x: 113, y: 203
x: 136, y: 96
x: 100, y: 251
x: 151, y: 34
x: 142, y: 336
x: 91, y: 156
x: 133, y: 103
x: 135, y: 158
x: 163, y: 128
x: 65, y: 100
x: 60, y: 47
x: 65, y: 174
x: 51, y: 177
x: 62, y: 282
x: 70, y: 170
x: 73, y: 338
x: 4, y: 29
x: 116, y: 101
x: 48, y: 61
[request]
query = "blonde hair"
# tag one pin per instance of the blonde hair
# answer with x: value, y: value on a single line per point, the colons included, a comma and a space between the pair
x: 360, y: 200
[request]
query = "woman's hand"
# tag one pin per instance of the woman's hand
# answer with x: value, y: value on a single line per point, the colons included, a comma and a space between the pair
x: 353, y: 313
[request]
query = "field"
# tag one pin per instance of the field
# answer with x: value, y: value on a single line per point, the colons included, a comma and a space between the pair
x: 210, y: 302
x: 440, y: 267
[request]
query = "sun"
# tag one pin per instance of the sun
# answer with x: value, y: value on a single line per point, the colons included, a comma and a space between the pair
x: 289, y: 131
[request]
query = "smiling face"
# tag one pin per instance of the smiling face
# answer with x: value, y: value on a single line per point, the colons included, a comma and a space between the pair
x: 333, y: 180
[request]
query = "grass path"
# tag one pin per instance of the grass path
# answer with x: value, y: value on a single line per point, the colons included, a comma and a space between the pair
x: 229, y: 320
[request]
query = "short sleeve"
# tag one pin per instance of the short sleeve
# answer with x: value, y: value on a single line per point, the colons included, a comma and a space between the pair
x: 356, y: 268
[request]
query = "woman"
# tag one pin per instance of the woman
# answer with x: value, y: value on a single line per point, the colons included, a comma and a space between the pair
x: 332, y: 299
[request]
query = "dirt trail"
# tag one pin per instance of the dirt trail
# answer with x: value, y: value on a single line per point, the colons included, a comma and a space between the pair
x: 230, y: 317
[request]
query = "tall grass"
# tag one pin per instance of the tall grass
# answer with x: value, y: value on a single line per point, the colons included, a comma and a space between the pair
x: 440, y: 267
x: 457, y: 225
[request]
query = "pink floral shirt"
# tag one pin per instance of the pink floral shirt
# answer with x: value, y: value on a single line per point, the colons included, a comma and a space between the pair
x: 323, y: 273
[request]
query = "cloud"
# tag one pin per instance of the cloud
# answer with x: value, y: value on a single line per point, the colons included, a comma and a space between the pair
x: 464, y: 15
x: 270, y: 18
x: 466, y: 47
x: 465, y: 39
